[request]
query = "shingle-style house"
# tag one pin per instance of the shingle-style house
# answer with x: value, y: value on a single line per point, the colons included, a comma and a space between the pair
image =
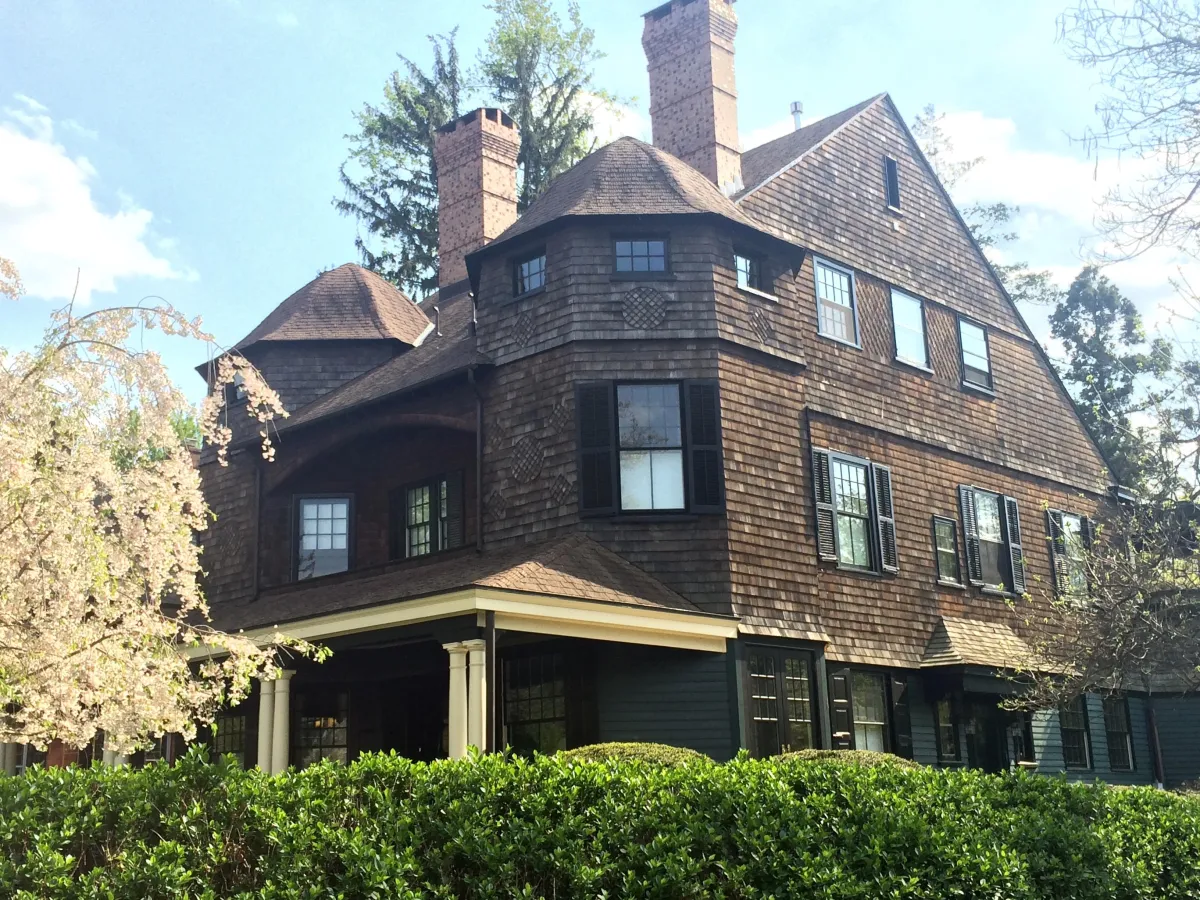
x: 714, y: 448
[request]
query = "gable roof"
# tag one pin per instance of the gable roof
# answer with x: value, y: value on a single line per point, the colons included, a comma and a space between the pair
x: 438, y: 356
x: 346, y: 303
x: 972, y: 642
x: 760, y: 164
x: 574, y: 566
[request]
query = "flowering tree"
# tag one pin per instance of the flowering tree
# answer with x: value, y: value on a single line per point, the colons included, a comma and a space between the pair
x: 99, y: 505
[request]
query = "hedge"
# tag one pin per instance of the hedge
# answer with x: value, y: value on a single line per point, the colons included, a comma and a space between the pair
x: 565, y: 828
x: 662, y: 754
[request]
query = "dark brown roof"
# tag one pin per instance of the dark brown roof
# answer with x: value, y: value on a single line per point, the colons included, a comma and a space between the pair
x: 437, y: 356
x: 574, y: 566
x: 626, y: 177
x: 766, y: 160
x: 346, y: 303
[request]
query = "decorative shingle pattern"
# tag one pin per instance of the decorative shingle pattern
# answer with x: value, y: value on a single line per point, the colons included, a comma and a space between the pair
x: 644, y: 307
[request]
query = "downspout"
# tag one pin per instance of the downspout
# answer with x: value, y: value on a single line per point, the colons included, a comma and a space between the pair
x: 1160, y: 777
x: 478, y: 460
x: 257, y: 539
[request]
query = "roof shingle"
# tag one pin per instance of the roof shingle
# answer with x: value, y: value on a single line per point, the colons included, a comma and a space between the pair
x: 972, y: 642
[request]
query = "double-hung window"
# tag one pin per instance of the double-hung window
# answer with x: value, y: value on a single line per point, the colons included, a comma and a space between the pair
x: 640, y: 257
x: 427, y: 516
x: 780, y: 698
x: 649, y: 447
x: 992, y: 534
x: 324, y: 532
x: 869, y: 711
x: 836, y: 315
x: 908, y: 327
x: 1076, y: 738
x: 856, y: 525
x: 1120, y: 737
x: 529, y: 274
x: 949, y: 751
x: 868, y: 694
x: 1070, y: 540
x: 945, y: 548
x: 976, y: 355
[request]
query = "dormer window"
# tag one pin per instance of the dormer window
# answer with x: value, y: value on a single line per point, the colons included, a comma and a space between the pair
x: 891, y: 182
x: 635, y: 256
x: 529, y: 274
x: 749, y: 272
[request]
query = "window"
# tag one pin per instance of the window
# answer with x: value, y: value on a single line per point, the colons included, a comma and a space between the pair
x: 229, y: 737
x: 946, y: 723
x: 749, y: 272
x: 780, y: 704
x: 320, y: 727
x: 992, y: 533
x: 641, y: 257
x: 162, y: 750
x: 649, y: 447
x: 836, y: 316
x: 868, y: 693
x: 976, y: 360
x: 428, y: 517
x: 945, y: 548
x: 856, y: 527
x: 1120, y: 739
x: 1070, y: 540
x: 535, y: 703
x: 529, y: 274
x: 908, y: 326
x: 1076, y: 741
x: 891, y: 181
x: 235, y: 391
x: 324, y: 536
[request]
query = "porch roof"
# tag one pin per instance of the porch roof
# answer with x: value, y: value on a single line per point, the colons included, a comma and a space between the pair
x: 973, y: 642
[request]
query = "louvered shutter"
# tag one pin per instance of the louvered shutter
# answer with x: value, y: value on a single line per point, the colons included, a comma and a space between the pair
x: 1087, y: 532
x: 454, y: 510
x: 597, y: 447
x: 702, y: 409
x: 823, y: 494
x: 901, y: 717
x: 966, y: 502
x: 1058, y: 550
x: 841, y: 713
x: 1016, y: 553
x: 885, y: 531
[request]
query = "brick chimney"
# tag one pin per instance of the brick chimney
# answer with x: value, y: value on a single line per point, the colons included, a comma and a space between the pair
x: 693, y: 95
x: 476, y: 158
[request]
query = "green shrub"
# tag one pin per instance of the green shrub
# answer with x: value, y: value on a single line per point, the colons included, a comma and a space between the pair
x: 659, y: 754
x: 857, y: 757
x: 565, y: 827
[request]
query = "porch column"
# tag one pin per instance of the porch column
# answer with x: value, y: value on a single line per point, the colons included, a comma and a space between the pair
x: 266, y: 722
x: 458, y: 699
x: 8, y: 758
x: 282, y: 719
x: 477, y: 696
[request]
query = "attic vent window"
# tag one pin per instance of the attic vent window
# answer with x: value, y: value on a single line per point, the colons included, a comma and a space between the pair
x: 891, y: 182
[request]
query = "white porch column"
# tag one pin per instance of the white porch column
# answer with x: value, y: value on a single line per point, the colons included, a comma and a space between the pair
x: 477, y: 697
x: 458, y: 699
x: 282, y: 719
x: 266, y: 723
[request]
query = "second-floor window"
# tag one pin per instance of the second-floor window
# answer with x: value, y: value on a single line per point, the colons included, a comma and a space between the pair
x: 1070, y: 538
x: 945, y: 547
x: 992, y: 533
x: 529, y: 274
x: 634, y: 256
x: 749, y: 272
x: 856, y: 525
x: 324, y: 531
x: 649, y: 447
x: 427, y: 516
x: 908, y: 326
x: 976, y: 355
x: 836, y: 316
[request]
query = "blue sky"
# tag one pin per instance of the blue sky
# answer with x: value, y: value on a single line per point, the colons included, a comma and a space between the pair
x: 191, y: 150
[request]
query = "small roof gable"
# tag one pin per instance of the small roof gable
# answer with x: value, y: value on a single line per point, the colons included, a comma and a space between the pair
x: 763, y: 162
x: 972, y: 642
x: 346, y: 303
x: 625, y: 178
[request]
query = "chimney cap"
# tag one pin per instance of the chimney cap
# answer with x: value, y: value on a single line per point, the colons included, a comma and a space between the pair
x: 661, y: 12
x: 489, y: 112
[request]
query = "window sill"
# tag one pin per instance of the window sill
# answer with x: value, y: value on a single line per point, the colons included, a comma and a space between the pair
x: 908, y: 364
x: 856, y: 570
x: 642, y: 276
x: 895, y: 210
x: 838, y: 340
x: 992, y: 592
x: 645, y: 517
x: 978, y: 389
x: 755, y: 292
x: 538, y: 290
x: 946, y: 583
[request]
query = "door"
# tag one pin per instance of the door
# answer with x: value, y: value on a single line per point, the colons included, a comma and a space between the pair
x: 780, y: 701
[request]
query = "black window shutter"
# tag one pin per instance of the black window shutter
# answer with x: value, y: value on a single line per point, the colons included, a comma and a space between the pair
x: 885, y: 517
x: 901, y: 718
x: 702, y: 408
x: 823, y: 494
x: 1058, y: 550
x: 841, y: 713
x: 1016, y: 552
x: 454, y: 510
x: 597, y: 447
x: 966, y: 502
x: 1087, y: 532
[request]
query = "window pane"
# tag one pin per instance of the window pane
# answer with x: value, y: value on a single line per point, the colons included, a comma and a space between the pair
x: 946, y: 541
x: 764, y: 705
x: 319, y: 729
x: 324, y: 529
x: 535, y: 703
x: 835, y: 304
x: 870, y: 711
x: 636, y: 482
x: 850, y: 487
x: 747, y: 272
x: 798, y: 699
x: 987, y: 514
x: 854, y: 547
x: 640, y: 256
x: 648, y: 415
x: 977, y: 366
x: 1116, y: 724
x: 652, y: 479
x: 1072, y: 720
x: 947, y: 732
x: 1076, y: 553
x: 909, y: 321
x: 531, y: 274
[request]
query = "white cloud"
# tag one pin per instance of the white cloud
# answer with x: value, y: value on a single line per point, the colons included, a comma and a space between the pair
x: 776, y: 129
x: 613, y: 121
x: 51, y: 225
